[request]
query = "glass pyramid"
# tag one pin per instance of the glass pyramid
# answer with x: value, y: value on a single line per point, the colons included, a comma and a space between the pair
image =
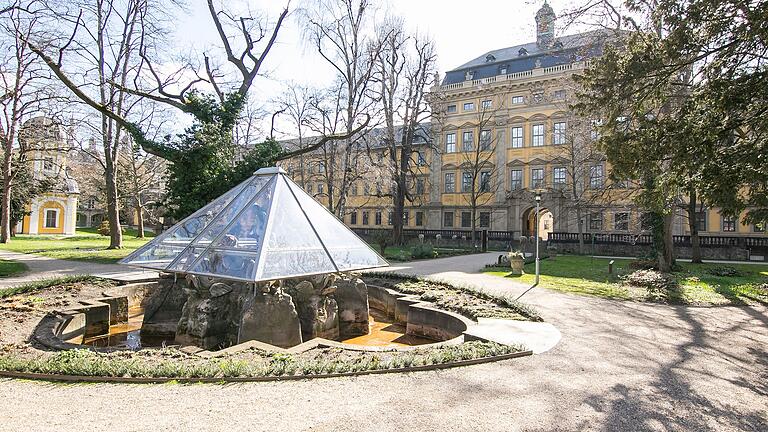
x: 266, y: 228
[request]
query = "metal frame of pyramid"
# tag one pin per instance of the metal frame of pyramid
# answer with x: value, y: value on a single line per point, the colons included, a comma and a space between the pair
x: 266, y: 228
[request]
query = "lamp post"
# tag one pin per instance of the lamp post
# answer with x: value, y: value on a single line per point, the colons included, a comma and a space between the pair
x: 538, y: 203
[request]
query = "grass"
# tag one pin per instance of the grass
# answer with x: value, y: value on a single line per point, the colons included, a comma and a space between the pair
x: 10, y: 268
x: 589, y: 276
x: 178, y: 365
x: 46, y: 283
x: 85, y: 245
x: 464, y: 300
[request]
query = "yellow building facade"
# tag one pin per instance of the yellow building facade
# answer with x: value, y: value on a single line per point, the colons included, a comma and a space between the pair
x: 501, y: 131
x: 54, y: 212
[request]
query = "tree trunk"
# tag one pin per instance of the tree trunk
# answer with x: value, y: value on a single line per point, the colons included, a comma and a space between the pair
x: 666, y: 254
x: 693, y: 227
x: 113, y: 211
x: 140, y: 219
x: 579, y: 217
x: 5, y: 212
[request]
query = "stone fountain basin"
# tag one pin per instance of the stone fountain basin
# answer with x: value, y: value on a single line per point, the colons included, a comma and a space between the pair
x: 69, y: 328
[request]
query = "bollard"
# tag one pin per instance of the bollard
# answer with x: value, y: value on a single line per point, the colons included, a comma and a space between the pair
x: 610, y: 267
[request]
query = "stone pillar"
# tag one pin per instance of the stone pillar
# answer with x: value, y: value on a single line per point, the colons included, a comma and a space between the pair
x: 317, y: 309
x: 34, y: 217
x: 352, y: 298
x: 70, y: 215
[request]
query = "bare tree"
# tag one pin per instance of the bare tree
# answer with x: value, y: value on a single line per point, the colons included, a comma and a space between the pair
x: 300, y: 103
x: 405, y: 71
x: 26, y: 89
x: 341, y: 32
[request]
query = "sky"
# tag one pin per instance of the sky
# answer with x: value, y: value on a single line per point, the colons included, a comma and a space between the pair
x: 462, y: 30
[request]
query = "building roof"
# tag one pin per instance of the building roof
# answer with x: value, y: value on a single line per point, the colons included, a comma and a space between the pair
x: 524, y: 57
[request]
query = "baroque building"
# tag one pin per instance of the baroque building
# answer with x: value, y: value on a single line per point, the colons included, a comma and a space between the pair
x: 501, y: 132
x: 53, y: 212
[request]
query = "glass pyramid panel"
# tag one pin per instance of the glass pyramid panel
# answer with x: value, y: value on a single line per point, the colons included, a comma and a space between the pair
x: 291, y: 247
x: 263, y: 229
x: 247, y: 229
x: 217, y: 225
x: 173, y: 241
x: 347, y: 250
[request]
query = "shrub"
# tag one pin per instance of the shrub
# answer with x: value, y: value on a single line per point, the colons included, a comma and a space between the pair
x: 724, y: 270
x: 104, y: 228
x: 423, y: 251
x: 643, y: 264
x: 659, y: 285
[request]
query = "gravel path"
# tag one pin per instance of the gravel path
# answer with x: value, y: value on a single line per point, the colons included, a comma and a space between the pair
x: 43, y: 267
x: 620, y: 366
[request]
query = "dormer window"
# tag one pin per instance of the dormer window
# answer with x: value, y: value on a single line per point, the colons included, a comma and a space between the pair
x: 558, y: 45
x: 469, y: 75
x: 503, y: 70
x: 490, y: 58
x: 48, y: 164
x: 522, y: 52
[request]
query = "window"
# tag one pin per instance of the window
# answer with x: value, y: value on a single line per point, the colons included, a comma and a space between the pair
x: 320, y: 167
x: 366, y: 189
x: 596, y: 221
x: 390, y: 218
x: 538, y: 135
x: 485, y: 220
x: 419, y: 218
x: 451, y: 108
x: 467, y: 141
x: 353, y: 190
x: 450, y: 183
x: 558, y: 177
x: 701, y: 220
x: 537, y: 178
x: 516, y: 100
x: 420, y: 186
x: 51, y: 218
x: 377, y: 218
x: 466, y: 219
x: 378, y: 189
x: 450, y: 143
x: 559, y: 94
x: 517, y: 137
x: 646, y: 221
x: 485, y: 181
x: 466, y: 182
x: 448, y: 219
x: 486, y: 104
x: 516, y: 179
x: 729, y: 224
x: 558, y: 133
x: 309, y: 188
x: 420, y: 159
x: 320, y: 188
x: 621, y: 221
x: 595, y: 131
x: 596, y: 176
x: 365, y: 218
x: 469, y: 106
x: 485, y: 140
x: 91, y: 204
x: 759, y: 227
x: 503, y: 70
x: 48, y: 165
x: 353, y: 218
x: 406, y: 218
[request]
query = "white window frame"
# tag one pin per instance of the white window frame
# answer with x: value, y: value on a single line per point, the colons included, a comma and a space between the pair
x: 469, y: 106
x: 518, y: 141
x: 518, y: 100
x: 450, y: 142
x: 486, y: 104
x: 558, y: 181
x: 464, y: 141
x: 515, y: 184
x: 537, y: 135
x: 45, y: 218
x: 452, y: 183
x: 558, y: 133
x: 537, y: 183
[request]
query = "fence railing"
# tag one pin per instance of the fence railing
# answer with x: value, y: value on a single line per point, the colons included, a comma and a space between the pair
x: 646, y: 239
x: 444, y: 234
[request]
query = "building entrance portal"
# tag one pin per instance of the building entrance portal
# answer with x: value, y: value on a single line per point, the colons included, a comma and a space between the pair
x: 546, y: 223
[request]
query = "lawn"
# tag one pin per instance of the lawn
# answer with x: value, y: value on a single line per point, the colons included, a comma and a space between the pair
x: 589, y: 276
x: 11, y: 268
x: 86, y: 245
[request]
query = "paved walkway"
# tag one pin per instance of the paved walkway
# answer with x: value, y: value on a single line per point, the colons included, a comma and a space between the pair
x: 42, y: 267
x: 620, y: 366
